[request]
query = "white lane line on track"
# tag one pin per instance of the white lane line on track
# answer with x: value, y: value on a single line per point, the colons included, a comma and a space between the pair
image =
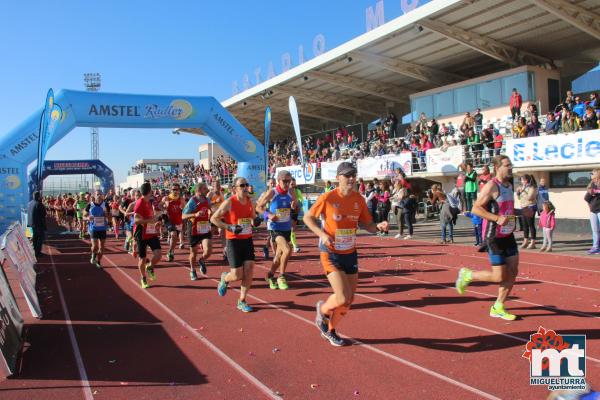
x: 466, y: 324
x: 520, y: 261
x: 251, y: 378
x: 579, y: 313
x: 518, y: 277
x: 371, y: 348
x: 85, y: 383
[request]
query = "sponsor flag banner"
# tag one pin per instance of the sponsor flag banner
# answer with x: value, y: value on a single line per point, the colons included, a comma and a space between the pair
x: 304, y: 174
x: 11, y: 326
x: 296, y: 123
x: 446, y: 161
x: 20, y: 254
x: 550, y: 150
x: 385, y: 166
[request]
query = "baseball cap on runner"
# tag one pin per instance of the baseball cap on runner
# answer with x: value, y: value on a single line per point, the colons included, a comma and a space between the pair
x: 346, y: 168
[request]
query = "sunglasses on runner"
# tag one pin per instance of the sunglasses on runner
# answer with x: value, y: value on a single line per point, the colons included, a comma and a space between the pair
x: 243, y: 185
x: 349, y: 175
x: 286, y: 180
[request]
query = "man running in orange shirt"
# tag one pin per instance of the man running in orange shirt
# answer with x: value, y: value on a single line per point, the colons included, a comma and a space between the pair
x: 341, y: 210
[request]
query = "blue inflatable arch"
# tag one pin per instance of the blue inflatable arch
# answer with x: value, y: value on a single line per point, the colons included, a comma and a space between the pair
x: 74, y: 167
x: 19, y: 147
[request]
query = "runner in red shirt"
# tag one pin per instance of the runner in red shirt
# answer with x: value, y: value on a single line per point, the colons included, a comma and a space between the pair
x: 147, y: 228
x: 173, y: 204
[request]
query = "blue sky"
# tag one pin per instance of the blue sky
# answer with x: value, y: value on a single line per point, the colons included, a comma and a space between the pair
x: 180, y: 48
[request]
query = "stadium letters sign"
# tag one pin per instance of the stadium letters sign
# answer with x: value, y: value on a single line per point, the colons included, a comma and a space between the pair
x: 550, y: 150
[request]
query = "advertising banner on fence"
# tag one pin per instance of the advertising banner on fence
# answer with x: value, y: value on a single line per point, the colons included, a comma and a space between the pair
x: 444, y: 161
x: 304, y: 175
x: 550, y: 150
x: 385, y: 166
x: 20, y: 255
x: 11, y: 325
x: 329, y: 169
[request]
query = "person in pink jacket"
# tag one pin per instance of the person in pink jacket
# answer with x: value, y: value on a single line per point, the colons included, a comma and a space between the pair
x: 547, y: 222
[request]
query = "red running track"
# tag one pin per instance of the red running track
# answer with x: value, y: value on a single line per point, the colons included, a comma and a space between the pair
x: 413, y: 336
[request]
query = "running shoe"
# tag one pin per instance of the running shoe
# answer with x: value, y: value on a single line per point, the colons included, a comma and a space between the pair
x: 282, y: 283
x: 594, y: 250
x: 150, y: 272
x: 181, y: 245
x: 98, y: 265
x: 266, y: 252
x: 144, y: 283
x: 170, y: 256
x: 296, y: 250
x: 320, y: 319
x: 193, y: 275
x: 93, y: 259
x: 202, y: 265
x: 222, y: 288
x: 243, y: 306
x: 272, y: 282
x: 407, y: 237
x: 498, y: 311
x: 333, y: 338
x: 398, y: 236
x: 463, y: 280
x: 126, y: 246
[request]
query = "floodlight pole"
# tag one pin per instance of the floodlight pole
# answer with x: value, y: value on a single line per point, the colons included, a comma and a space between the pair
x: 92, y: 82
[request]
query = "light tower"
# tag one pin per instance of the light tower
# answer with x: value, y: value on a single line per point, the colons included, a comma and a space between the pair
x: 92, y: 83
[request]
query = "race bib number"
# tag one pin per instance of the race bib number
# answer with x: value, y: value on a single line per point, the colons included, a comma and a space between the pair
x: 179, y: 227
x: 283, y: 214
x: 202, y: 227
x: 99, y: 222
x: 150, y: 229
x: 345, y: 239
x: 246, y: 224
x: 115, y: 213
x: 510, y: 225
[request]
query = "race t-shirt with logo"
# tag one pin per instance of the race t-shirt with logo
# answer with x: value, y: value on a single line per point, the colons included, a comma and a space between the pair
x: 97, y: 213
x: 240, y: 214
x: 504, y: 205
x: 340, y: 218
x: 281, y: 206
x: 146, y: 211
x: 174, y: 211
x: 201, y: 224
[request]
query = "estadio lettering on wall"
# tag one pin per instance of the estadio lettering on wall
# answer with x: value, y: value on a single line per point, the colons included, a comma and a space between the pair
x: 565, y: 149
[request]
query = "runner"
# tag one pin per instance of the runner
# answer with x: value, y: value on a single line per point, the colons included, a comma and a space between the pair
x: 495, y: 204
x: 217, y: 198
x: 174, y: 205
x: 116, y: 215
x: 235, y: 216
x: 95, y: 213
x: 126, y: 200
x: 269, y: 242
x: 197, y: 212
x: 147, y: 228
x: 279, y: 223
x: 80, y: 205
x: 69, y: 211
x: 130, y: 218
x: 296, y: 213
x: 341, y: 210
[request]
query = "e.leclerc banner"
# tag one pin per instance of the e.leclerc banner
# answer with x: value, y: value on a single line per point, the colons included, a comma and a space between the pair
x: 305, y: 175
x: 564, y: 149
x: 11, y: 326
x: 385, y: 166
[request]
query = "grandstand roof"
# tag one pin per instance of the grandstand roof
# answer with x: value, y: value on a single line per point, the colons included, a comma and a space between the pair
x: 441, y: 42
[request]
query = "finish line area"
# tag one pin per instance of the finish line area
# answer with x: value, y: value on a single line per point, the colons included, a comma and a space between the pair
x: 409, y: 330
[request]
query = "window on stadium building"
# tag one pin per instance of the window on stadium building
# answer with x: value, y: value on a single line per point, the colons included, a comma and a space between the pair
x: 570, y: 179
x: 204, y: 155
x: 488, y: 94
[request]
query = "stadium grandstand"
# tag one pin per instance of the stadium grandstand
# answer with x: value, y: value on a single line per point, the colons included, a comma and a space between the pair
x: 430, y: 67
